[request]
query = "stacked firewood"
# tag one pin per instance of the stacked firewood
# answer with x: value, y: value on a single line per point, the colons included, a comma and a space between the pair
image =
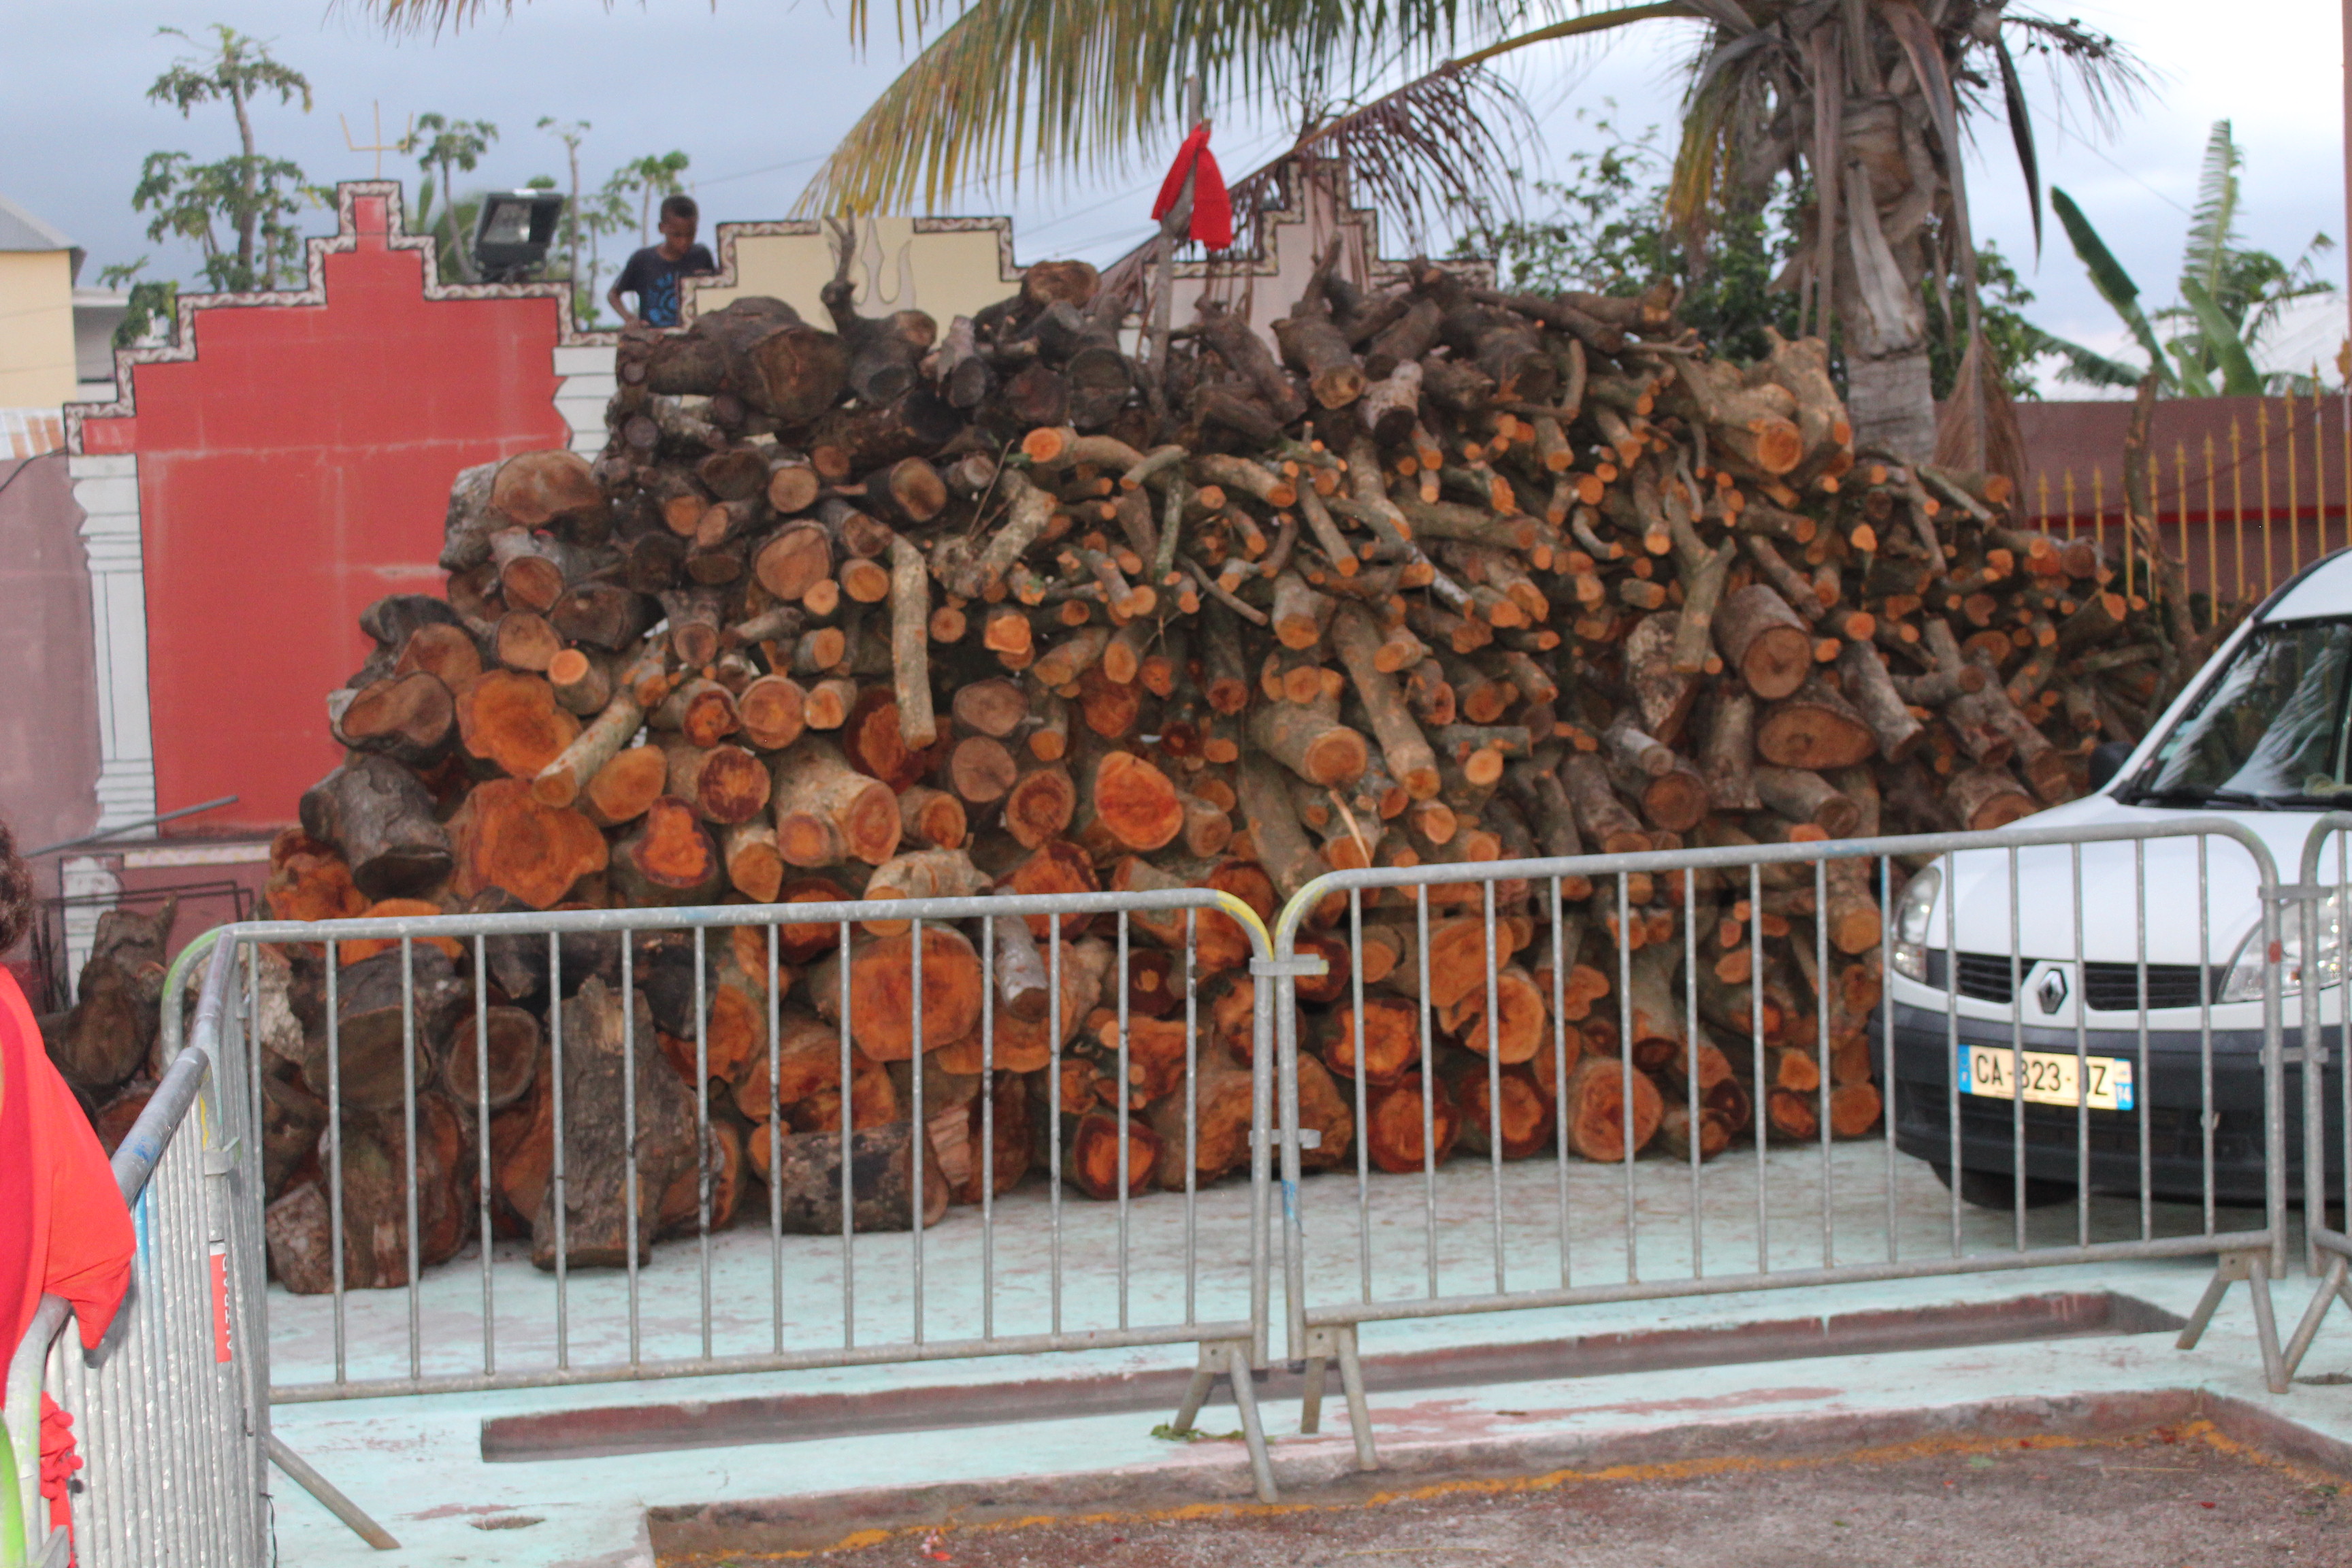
x: 864, y: 611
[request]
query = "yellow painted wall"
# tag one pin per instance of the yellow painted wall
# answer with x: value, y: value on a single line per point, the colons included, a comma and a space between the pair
x: 36, y: 340
x: 947, y: 274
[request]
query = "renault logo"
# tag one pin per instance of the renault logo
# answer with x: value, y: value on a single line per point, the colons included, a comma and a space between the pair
x: 2050, y: 991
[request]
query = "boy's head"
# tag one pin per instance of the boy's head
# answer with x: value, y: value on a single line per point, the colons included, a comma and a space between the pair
x: 680, y: 218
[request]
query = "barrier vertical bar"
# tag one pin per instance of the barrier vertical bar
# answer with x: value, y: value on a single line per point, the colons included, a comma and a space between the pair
x: 407, y: 1122
x: 335, y: 1149
x: 1428, y: 1108
x: 920, y: 1129
x: 1493, y: 1085
x: 702, y: 1126
x: 774, y: 1130
x: 848, y: 1151
x: 482, y: 1176
x: 1691, y: 1076
x: 560, y: 1188
x: 1756, y: 1045
x: 1559, y: 1061
x: 988, y: 1127
x: 1363, y: 1140
x: 631, y: 1198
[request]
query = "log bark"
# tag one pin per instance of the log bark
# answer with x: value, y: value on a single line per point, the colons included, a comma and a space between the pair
x: 375, y: 813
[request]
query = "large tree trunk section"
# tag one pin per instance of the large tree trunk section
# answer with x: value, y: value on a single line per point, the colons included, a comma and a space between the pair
x: 1525, y: 1117
x: 298, y: 1228
x: 671, y: 858
x: 1091, y: 1148
x: 112, y: 1026
x: 1395, y: 1136
x: 882, y: 991
x: 827, y: 811
x: 1593, y: 1104
x: 1769, y: 644
x: 598, y: 1139
x: 515, y: 1039
x: 807, y: 1179
x: 375, y: 813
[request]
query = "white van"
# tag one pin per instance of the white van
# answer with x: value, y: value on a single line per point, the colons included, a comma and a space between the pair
x: 2261, y: 737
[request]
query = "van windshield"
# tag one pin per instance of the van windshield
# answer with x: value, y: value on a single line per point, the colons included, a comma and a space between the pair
x: 2269, y: 731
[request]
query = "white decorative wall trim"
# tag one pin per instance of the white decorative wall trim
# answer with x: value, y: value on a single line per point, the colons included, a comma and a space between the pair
x: 585, y: 384
x: 84, y: 877
x: 106, y: 490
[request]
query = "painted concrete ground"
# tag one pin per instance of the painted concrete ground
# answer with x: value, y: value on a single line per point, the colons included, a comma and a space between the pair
x: 415, y: 1462
x: 2184, y: 1494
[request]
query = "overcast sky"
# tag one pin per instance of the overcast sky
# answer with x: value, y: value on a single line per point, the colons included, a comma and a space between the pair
x: 756, y: 90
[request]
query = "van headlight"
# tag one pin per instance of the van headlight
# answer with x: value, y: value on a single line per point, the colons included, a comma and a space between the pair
x: 1912, y: 915
x: 2245, y: 981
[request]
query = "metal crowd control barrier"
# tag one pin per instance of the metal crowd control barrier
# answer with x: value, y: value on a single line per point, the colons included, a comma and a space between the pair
x: 171, y: 1413
x: 1636, y: 1257
x: 1158, y: 1301
x: 2322, y: 903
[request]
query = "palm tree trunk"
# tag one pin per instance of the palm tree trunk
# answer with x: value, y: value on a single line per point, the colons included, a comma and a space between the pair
x: 1892, y: 404
x: 1890, y: 396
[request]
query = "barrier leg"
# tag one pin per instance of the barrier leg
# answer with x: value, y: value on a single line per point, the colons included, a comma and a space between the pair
x: 2255, y: 1268
x: 329, y: 1496
x: 1196, y: 1393
x: 1359, y: 1410
x: 1237, y: 1366
x: 2335, y: 1284
x: 1311, y: 1403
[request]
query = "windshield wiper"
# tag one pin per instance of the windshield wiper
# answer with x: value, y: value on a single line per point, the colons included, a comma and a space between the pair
x: 2238, y: 798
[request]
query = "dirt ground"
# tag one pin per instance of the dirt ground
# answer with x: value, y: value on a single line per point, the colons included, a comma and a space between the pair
x: 2184, y: 1498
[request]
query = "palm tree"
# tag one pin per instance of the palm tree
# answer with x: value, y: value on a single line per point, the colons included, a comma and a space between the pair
x: 2230, y: 296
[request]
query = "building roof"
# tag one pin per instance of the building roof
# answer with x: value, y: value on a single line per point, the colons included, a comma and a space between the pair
x: 20, y: 230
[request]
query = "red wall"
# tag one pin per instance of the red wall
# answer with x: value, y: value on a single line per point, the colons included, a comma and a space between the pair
x: 294, y: 469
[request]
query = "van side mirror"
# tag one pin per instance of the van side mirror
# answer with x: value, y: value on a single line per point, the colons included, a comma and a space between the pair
x: 2107, y: 760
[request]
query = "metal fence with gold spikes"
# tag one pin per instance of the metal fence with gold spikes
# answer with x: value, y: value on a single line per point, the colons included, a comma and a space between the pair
x: 2248, y: 491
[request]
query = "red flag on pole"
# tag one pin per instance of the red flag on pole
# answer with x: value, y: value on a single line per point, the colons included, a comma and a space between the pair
x: 1212, y: 208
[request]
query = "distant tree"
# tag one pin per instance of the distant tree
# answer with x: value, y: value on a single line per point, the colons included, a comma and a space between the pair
x: 256, y: 197
x: 448, y: 147
x: 153, y: 305
x: 648, y: 179
x: 572, y: 133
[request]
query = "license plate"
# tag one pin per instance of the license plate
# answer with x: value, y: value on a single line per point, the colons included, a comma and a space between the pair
x: 2048, y: 1077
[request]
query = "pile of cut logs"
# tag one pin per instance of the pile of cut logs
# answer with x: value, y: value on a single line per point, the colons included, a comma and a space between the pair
x: 863, y: 610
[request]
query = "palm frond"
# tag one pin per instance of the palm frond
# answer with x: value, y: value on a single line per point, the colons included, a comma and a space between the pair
x: 2020, y: 135
x: 1438, y: 143
x: 2104, y: 73
x: 2239, y: 377
x: 2088, y: 367
x: 2108, y: 276
x: 1009, y: 84
x: 1590, y: 22
x: 2212, y: 226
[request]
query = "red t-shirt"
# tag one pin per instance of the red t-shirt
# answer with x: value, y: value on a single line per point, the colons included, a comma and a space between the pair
x: 64, y: 1230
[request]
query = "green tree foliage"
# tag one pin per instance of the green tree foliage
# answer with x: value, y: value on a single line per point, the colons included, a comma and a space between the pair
x: 153, y: 305
x: 254, y: 197
x: 2230, y: 296
x: 1608, y: 227
x: 448, y: 147
x: 648, y: 179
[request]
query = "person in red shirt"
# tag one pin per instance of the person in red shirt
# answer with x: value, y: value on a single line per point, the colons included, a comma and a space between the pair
x: 64, y: 1230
